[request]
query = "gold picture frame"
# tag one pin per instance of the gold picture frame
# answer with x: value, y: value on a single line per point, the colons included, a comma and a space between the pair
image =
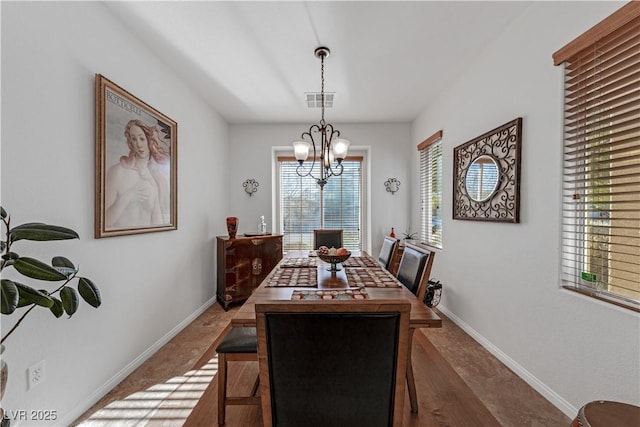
x: 136, y: 189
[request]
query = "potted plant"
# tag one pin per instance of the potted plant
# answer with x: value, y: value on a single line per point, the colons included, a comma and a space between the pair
x: 408, y: 235
x: 17, y: 296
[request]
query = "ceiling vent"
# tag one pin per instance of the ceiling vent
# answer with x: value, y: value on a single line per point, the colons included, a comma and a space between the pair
x: 314, y: 99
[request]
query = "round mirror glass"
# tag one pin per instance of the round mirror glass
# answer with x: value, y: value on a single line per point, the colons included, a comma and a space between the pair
x: 482, y: 178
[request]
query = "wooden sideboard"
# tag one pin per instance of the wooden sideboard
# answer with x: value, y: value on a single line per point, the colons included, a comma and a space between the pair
x: 242, y: 264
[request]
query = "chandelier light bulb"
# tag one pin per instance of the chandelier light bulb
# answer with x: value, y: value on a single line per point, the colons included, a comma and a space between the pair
x: 340, y: 149
x: 301, y: 150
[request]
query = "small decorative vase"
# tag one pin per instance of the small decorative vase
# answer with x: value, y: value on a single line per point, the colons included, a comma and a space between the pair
x: 232, y: 226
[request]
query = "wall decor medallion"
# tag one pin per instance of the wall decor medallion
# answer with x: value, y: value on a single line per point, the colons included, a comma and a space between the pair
x: 392, y: 185
x: 136, y: 188
x: 250, y: 186
x: 486, y: 181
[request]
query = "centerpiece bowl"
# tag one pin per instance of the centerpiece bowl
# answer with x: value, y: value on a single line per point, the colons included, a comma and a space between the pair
x: 334, y: 260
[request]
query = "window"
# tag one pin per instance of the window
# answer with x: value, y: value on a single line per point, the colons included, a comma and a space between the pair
x: 431, y: 190
x: 601, y: 183
x: 303, y: 206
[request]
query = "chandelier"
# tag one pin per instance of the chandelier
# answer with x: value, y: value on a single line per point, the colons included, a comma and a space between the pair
x: 329, y: 150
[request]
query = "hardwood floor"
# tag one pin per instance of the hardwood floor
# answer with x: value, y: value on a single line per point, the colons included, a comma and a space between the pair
x: 459, y: 384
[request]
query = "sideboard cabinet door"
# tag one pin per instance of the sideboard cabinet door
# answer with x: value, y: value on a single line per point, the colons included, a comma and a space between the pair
x: 243, y: 263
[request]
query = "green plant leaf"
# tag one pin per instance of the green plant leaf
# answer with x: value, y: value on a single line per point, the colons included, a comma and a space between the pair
x: 3, y: 245
x: 29, y: 296
x: 10, y: 296
x: 64, y: 266
x: 10, y: 255
x: 60, y: 261
x: 70, y: 300
x: 35, y: 269
x: 41, y: 232
x: 57, y: 308
x: 89, y: 292
x: 3, y: 213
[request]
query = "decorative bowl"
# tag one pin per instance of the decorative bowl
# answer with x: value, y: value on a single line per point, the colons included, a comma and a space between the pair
x: 334, y: 260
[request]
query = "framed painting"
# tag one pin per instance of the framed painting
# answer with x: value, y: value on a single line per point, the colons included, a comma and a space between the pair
x: 486, y: 180
x: 136, y: 165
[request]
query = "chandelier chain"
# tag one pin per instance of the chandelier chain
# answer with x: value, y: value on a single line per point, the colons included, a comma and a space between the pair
x: 322, y: 87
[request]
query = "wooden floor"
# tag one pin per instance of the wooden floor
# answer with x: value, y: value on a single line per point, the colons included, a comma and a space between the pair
x: 458, y: 382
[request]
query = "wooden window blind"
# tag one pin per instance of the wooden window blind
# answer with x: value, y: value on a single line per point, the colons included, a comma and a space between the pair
x: 304, y: 206
x: 601, y: 165
x: 431, y: 190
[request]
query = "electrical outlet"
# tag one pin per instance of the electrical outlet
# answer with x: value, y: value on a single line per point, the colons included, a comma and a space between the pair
x: 36, y: 375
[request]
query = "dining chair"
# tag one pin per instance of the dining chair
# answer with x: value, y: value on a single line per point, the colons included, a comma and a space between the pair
x: 332, y: 363
x: 388, y: 249
x: 240, y: 344
x: 329, y: 237
x: 413, y: 273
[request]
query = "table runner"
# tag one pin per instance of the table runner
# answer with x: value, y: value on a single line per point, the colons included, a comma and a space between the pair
x: 301, y: 277
x: 358, y: 261
x: 361, y: 261
x: 298, y: 262
x: 376, y: 278
x: 346, y: 294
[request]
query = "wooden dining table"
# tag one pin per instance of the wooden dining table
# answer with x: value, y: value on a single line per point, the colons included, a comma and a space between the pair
x: 326, y: 281
x: 300, y: 275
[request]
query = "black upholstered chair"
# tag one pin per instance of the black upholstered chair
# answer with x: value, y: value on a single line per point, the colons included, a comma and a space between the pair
x: 415, y: 268
x: 389, y: 245
x: 329, y: 237
x: 413, y: 273
x: 240, y: 344
x: 338, y: 363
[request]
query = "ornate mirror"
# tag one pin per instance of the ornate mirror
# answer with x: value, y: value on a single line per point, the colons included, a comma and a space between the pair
x: 481, y: 179
x: 487, y: 175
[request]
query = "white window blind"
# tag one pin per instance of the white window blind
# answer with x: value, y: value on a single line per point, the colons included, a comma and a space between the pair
x: 601, y: 180
x: 431, y: 190
x: 304, y: 206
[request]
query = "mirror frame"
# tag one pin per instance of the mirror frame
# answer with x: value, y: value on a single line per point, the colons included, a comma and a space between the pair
x: 503, y: 144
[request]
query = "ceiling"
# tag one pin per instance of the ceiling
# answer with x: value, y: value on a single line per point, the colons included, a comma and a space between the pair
x: 254, y: 61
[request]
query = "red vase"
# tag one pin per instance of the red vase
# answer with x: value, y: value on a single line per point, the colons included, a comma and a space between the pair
x: 232, y: 226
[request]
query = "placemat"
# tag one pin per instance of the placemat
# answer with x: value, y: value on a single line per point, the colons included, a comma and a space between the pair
x: 298, y: 262
x: 361, y: 261
x: 302, y: 277
x: 374, y: 278
x: 346, y: 294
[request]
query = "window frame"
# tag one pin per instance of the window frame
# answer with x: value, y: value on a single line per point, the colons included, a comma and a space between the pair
x: 591, y: 162
x: 355, y: 153
x: 427, y: 149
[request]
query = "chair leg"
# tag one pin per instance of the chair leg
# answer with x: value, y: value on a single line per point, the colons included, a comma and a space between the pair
x: 411, y: 384
x: 222, y: 387
x: 254, y: 390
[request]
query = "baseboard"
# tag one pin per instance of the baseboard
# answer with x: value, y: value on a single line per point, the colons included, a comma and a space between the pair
x: 539, y: 386
x: 124, y: 372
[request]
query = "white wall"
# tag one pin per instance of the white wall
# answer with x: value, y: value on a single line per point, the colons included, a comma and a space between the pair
x: 251, y: 146
x: 501, y: 281
x: 151, y: 284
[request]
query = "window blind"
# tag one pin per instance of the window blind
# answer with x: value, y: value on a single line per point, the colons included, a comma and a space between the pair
x: 431, y: 190
x: 601, y: 172
x: 304, y: 206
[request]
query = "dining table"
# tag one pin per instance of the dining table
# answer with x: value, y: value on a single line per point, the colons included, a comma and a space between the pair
x: 301, y: 275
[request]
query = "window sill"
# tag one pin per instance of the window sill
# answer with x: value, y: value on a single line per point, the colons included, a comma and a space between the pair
x: 603, y: 297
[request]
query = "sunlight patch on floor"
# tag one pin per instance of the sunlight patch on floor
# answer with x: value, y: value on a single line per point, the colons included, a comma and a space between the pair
x: 168, y: 404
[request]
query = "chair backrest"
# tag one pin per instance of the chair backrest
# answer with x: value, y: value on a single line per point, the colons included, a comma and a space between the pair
x: 415, y: 268
x: 329, y: 237
x: 332, y: 363
x: 389, y: 245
